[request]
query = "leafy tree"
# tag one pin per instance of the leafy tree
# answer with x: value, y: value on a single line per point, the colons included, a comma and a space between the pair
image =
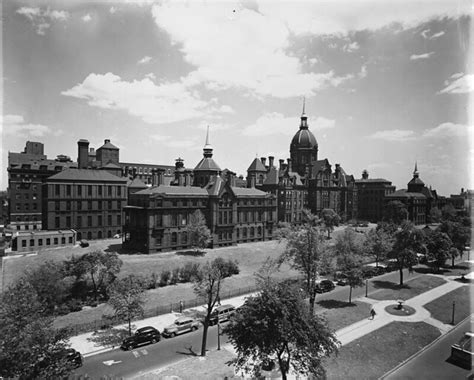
x: 459, y: 232
x: 50, y: 284
x: 207, y: 285
x: 453, y: 253
x: 305, y: 248
x: 330, y: 220
x: 348, y: 257
x: 277, y: 324
x: 378, y: 243
x: 449, y: 212
x: 30, y: 348
x: 408, y: 242
x: 198, y: 233
x: 127, y: 298
x: 435, y: 215
x: 438, y: 246
x: 101, y: 268
x: 395, y: 212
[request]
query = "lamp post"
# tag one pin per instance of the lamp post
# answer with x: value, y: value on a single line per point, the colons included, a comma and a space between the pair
x: 454, y: 307
x: 218, y: 335
x: 366, y: 287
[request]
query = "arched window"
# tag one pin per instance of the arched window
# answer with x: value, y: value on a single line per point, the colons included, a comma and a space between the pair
x: 252, y: 232
x: 259, y: 231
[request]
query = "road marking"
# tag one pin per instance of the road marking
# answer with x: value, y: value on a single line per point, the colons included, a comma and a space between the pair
x: 111, y: 362
x: 144, y: 352
x: 136, y: 354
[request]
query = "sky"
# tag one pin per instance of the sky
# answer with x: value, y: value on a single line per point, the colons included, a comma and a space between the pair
x: 386, y: 83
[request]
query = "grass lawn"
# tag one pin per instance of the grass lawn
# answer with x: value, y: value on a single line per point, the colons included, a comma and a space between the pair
x: 388, y: 290
x: 249, y: 256
x: 442, y: 307
x: 378, y: 352
x: 458, y: 270
x: 340, y: 314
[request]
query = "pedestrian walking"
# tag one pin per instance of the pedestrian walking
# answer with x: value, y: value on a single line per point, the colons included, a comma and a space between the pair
x: 372, y: 313
x: 180, y: 306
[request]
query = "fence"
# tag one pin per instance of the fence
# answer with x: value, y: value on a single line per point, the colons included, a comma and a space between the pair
x: 104, y: 323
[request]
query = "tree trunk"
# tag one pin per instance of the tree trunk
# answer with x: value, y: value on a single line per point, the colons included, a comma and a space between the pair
x: 401, y: 276
x: 452, y: 261
x: 129, y: 326
x: 282, y: 366
x: 204, y: 336
x: 350, y: 294
x: 312, y: 300
x: 95, y: 287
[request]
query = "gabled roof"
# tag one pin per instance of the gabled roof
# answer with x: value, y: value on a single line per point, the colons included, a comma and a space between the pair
x: 137, y: 183
x: 247, y: 192
x: 108, y: 145
x: 174, y: 190
x: 86, y: 175
x: 257, y: 166
x: 321, y: 165
x: 215, y: 186
x: 111, y: 165
x: 272, y: 177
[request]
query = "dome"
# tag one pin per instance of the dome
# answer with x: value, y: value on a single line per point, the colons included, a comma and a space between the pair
x: 304, y: 139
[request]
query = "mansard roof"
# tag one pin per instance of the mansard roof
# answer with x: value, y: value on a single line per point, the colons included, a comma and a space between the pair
x: 108, y: 145
x: 248, y: 192
x: 207, y: 164
x: 86, y: 175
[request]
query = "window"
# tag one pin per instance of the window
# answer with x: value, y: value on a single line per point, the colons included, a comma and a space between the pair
x: 99, y: 220
x: 89, y: 235
x: 89, y: 190
x: 56, y: 206
x: 184, y: 237
x: 89, y: 221
x: 56, y: 241
x: 119, y: 191
x: 174, y: 238
x: 89, y: 205
x: 99, y: 234
x: 48, y: 241
x: 110, y: 205
x: 119, y: 220
x: 68, y: 190
x: 109, y: 190
x: 99, y: 189
x: 99, y: 205
x: 70, y: 239
x: 40, y: 242
x: 63, y: 240
x: 68, y: 205
x: 32, y: 242
x: 56, y: 222
x: 109, y: 220
x: 23, y: 243
x: 158, y: 220
x: 79, y: 190
x: 56, y: 189
x: 68, y: 221
x: 79, y: 205
x: 27, y: 196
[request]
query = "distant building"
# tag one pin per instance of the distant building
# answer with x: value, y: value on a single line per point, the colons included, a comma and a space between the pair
x: 156, y: 217
x: 371, y: 193
x: 88, y: 201
x: 30, y: 241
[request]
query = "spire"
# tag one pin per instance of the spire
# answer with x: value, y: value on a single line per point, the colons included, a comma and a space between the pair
x: 304, y: 118
x: 207, y: 147
x: 415, y: 172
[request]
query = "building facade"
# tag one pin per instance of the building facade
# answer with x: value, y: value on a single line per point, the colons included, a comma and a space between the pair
x: 31, y: 241
x: 371, y: 193
x: 88, y: 201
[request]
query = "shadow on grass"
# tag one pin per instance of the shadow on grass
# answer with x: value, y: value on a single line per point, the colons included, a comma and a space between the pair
x: 116, y: 248
x: 335, y: 304
x: 194, y: 253
x: 380, y: 284
x: 189, y: 352
x: 110, y: 337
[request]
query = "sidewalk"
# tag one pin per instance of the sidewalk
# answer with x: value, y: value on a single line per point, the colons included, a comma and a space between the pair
x: 86, y: 347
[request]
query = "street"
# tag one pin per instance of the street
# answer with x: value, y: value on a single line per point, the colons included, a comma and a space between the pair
x: 124, y: 364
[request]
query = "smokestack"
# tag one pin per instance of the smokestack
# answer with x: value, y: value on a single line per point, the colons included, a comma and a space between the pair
x: 290, y: 169
x: 281, y: 161
x: 263, y: 159
x: 365, y: 174
x: 82, y: 153
x: 270, y: 161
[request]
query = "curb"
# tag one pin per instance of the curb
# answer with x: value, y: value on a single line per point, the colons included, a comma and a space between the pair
x: 99, y: 351
x: 422, y: 350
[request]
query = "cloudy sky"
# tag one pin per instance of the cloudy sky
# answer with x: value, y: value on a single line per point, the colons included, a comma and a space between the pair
x: 386, y: 83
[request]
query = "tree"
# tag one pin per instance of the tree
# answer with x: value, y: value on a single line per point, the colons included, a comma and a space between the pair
x: 30, y: 348
x: 438, y: 246
x: 330, y: 220
x: 348, y: 258
x: 305, y: 247
x: 448, y: 212
x: 127, y: 298
x: 408, y: 242
x: 378, y: 243
x: 453, y: 253
x: 207, y: 285
x: 198, y: 233
x: 435, y: 215
x: 395, y: 212
x: 277, y: 324
x: 101, y: 268
x: 459, y: 232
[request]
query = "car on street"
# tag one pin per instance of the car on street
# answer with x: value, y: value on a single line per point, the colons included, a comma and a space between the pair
x: 83, y: 243
x: 221, y: 314
x: 462, y: 352
x: 142, y: 336
x: 325, y: 286
x: 180, y: 326
x: 74, y: 357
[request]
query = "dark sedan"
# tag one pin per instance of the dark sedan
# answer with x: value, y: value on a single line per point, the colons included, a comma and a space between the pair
x: 142, y: 336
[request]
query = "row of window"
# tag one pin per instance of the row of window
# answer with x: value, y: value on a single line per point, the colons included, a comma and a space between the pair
x: 90, y: 221
x: 203, y: 203
x: 26, y: 207
x: 47, y: 241
x: 91, y: 205
x: 98, y: 190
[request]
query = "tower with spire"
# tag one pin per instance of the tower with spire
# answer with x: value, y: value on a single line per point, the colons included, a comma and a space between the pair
x: 416, y: 185
x: 303, y: 147
x: 206, y: 169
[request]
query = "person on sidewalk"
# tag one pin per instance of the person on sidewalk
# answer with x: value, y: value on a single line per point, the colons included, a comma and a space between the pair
x: 372, y: 313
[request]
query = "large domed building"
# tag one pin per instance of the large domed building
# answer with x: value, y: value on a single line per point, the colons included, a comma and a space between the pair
x: 303, y: 181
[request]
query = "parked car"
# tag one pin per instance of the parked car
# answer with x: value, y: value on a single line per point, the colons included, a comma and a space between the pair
x: 83, y: 243
x: 462, y: 352
x: 340, y: 279
x: 325, y: 286
x: 142, y: 336
x: 74, y: 357
x: 181, y: 325
x: 222, y: 314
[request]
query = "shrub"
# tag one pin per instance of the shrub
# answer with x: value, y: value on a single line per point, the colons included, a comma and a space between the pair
x: 175, y: 276
x: 153, y: 279
x: 165, y: 277
x: 228, y: 267
x: 189, y: 272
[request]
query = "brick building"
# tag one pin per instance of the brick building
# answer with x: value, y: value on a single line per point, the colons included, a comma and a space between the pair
x: 371, y: 194
x: 88, y: 201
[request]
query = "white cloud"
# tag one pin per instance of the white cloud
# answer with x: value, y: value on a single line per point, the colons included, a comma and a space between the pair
x: 416, y: 57
x: 461, y: 84
x: 172, y: 142
x: 276, y: 123
x: 424, y: 33
x: 447, y: 130
x: 150, y: 76
x: 112, y: 10
x: 41, y: 18
x: 14, y: 125
x: 154, y: 104
x: 247, y: 52
x: 393, y: 135
x: 145, y: 59
x: 87, y: 18
x: 313, y: 61
x: 437, y: 35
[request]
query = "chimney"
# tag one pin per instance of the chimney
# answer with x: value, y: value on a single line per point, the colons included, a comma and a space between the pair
x: 263, y: 159
x: 281, y: 161
x: 106, y: 141
x: 290, y: 169
x: 230, y: 178
x: 365, y: 174
x: 270, y: 161
x: 83, y: 153
x: 134, y: 171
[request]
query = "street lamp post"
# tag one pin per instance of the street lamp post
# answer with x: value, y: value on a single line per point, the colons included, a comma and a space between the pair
x: 454, y: 307
x: 366, y: 287
x: 218, y: 335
